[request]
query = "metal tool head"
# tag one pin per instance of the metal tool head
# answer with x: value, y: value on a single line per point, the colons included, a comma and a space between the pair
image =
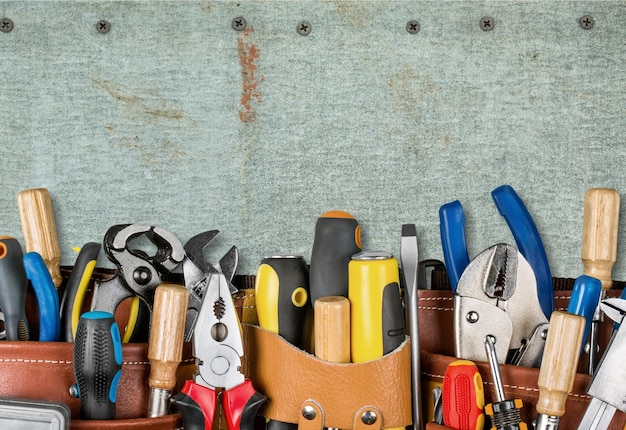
x: 217, y: 342
x: 614, y: 308
x: 198, y: 273
x: 138, y: 274
x: 502, y: 278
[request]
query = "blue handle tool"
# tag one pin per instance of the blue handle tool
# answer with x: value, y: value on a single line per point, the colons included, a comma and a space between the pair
x: 452, y: 231
x: 528, y: 242
x: 584, y: 300
x: 47, y: 297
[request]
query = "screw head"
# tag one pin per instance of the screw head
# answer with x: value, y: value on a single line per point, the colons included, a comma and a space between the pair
x: 487, y: 23
x: 103, y: 26
x: 6, y: 25
x: 413, y: 27
x: 239, y: 23
x: 304, y: 28
x: 586, y: 22
x: 309, y: 413
x: 369, y: 417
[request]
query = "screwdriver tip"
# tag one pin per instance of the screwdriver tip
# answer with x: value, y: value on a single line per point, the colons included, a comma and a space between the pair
x: 409, y: 230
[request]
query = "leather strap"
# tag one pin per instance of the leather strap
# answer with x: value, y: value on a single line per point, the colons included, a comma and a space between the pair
x: 289, y: 377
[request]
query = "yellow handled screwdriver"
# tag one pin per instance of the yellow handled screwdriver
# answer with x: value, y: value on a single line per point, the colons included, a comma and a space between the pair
x: 165, y: 349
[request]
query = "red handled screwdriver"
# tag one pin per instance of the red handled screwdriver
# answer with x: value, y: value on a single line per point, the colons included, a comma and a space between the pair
x: 463, y: 398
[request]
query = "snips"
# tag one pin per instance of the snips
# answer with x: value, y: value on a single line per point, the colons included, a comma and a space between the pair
x: 138, y: 274
x: 497, y: 295
x: 218, y: 348
x: 199, y: 274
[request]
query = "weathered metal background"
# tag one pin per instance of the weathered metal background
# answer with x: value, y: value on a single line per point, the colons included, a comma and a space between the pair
x: 176, y: 119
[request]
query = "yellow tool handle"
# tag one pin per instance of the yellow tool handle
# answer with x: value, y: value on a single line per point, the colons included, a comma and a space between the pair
x: 167, y: 333
x: 332, y: 329
x: 600, y: 225
x: 559, y: 363
x: 39, y: 228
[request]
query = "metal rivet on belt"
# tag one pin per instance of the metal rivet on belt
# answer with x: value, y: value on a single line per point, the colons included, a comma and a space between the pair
x: 304, y: 28
x: 487, y: 23
x: 369, y: 417
x: 586, y: 22
x: 309, y: 413
x: 103, y: 26
x: 239, y: 23
x: 413, y: 27
x: 6, y: 25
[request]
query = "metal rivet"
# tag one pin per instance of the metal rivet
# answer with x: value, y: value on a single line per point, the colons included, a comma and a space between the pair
x: 413, y: 27
x: 239, y: 23
x: 472, y: 317
x: 586, y: 22
x: 103, y: 26
x: 304, y: 28
x: 369, y: 417
x: 309, y: 413
x: 6, y: 25
x: 544, y: 334
x: 487, y: 23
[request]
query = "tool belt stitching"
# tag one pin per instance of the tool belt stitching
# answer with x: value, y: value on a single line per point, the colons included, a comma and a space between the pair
x: 26, y: 360
x: 435, y: 308
x: 438, y: 298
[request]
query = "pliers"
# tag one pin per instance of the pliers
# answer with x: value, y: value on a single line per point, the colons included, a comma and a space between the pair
x: 138, y: 274
x: 521, y: 224
x: 496, y: 296
x: 218, y: 348
x: 199, y: 274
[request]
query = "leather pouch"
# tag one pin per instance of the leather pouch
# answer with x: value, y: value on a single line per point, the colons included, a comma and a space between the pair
x: 436, y: 320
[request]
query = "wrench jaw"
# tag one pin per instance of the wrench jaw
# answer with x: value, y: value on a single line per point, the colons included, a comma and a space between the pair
x: 474, y: 319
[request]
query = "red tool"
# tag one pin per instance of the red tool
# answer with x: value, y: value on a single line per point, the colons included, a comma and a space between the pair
x: 218, y: 348
x: 463, y: 397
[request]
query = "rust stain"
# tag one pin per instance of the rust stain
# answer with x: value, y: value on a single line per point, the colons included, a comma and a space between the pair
x: 250, y: 95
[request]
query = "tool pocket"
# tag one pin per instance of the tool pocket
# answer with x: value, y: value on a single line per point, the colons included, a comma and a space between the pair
x: 436, y: 320
x: 44, y: 371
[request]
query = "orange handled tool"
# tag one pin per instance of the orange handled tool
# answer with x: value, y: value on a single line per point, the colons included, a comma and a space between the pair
x: 463, y: 397
x: 39, y: 228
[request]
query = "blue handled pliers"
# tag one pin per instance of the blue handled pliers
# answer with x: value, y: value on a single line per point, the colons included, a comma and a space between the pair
x: 521, y: 224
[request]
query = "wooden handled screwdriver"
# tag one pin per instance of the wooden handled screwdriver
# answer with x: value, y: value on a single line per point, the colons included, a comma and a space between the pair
x: 39, y: 228
x: 165, y: 349
x: 599, y: 248
x: 558, y: 367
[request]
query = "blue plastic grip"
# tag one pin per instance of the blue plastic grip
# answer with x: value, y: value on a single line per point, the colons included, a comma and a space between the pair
x: 528, y: 242
x: 584, y: 300
x: 452, y: 231
x: 47, y: 297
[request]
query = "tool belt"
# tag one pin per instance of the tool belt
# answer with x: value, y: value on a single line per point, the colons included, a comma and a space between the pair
x: 333, y: 394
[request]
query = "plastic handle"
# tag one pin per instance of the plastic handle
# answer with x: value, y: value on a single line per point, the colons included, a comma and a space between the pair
x: 584, y: 300
x: 463, y: 397
x: 97, y: 364
x: 452, y: 231
x: 528, y: 242
x: 47, y: 297
x: 13, y: 288
x: 197, y: 405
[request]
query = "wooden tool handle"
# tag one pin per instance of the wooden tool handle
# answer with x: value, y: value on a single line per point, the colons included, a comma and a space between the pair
x: 167, y: 334
x: 600, y: 225
x: 332, y: 329
x: 39, y: 228
x: 559, y: 363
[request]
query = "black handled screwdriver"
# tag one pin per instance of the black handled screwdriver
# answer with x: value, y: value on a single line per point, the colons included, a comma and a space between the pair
x: 97, y: 365
x: 13, y: 288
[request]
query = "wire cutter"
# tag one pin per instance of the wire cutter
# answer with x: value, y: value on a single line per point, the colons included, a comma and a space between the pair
x: 138, y: 274
x: 218, y: 348
x: 199, y: 274
x: 496, y: 296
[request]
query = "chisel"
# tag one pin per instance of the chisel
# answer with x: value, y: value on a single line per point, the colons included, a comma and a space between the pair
x: 165, y: 348
x: 337, y: 238
x: 13, y: 288
x: 599, y: 249
x: 39, y: 228
x: 409, y: 258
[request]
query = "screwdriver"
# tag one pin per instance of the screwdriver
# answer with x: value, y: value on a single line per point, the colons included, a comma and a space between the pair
x: 504, y: 414
x: 599, y: 249
x: 39, y: 228
x: 332, y: 329
x: 337, y: 238
x: 13, y: 288
x: 97, y: 365
x: 165, y: 348
x: 463, y: 398
x: 558, y: 367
